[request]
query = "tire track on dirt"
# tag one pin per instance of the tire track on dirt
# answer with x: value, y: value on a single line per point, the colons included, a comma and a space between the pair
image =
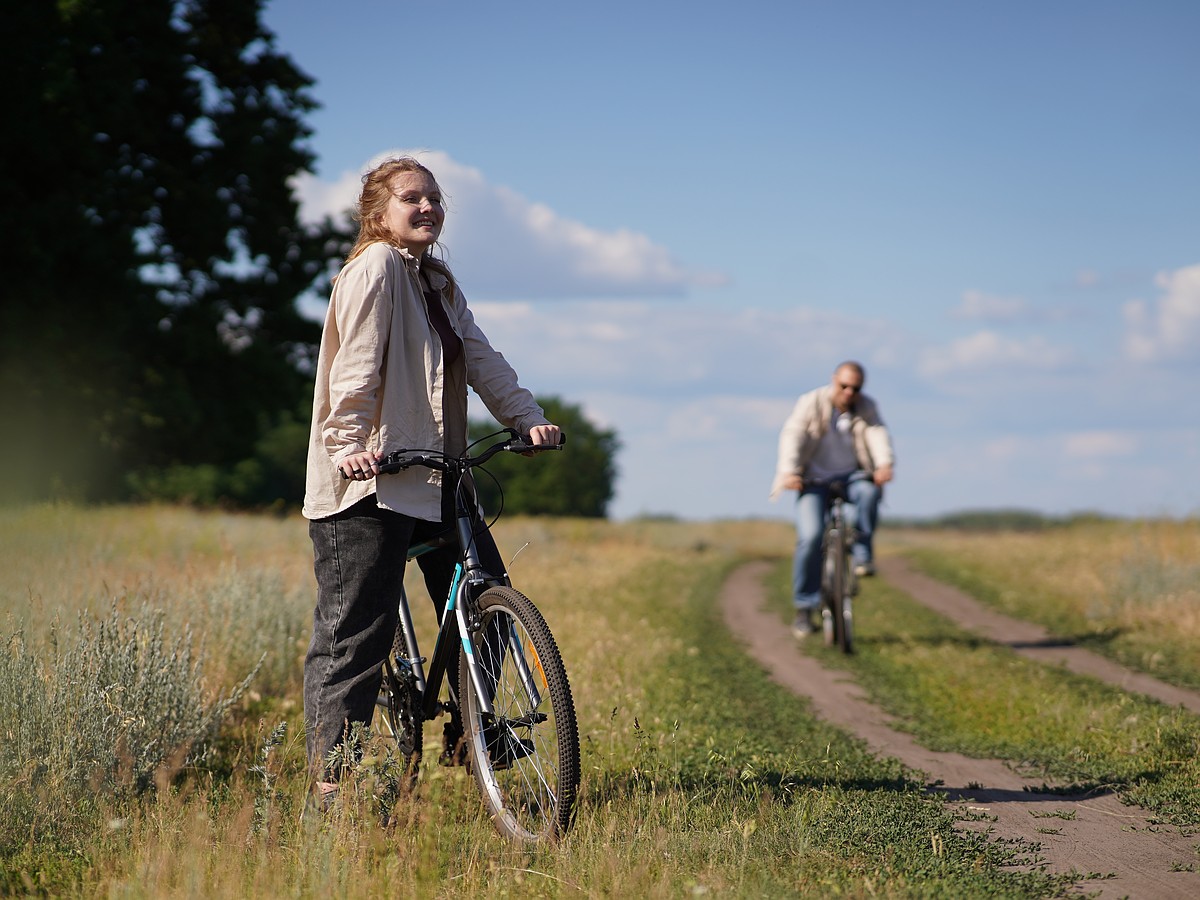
x: 1091, y: 834
x: 1026, y: 638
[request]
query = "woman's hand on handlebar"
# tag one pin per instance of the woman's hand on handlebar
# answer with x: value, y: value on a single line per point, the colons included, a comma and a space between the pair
x: 543, y: 434
x: 360, y: 466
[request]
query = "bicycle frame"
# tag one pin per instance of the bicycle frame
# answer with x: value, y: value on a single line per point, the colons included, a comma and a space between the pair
x: 513, y: 718
x: 459, y: 614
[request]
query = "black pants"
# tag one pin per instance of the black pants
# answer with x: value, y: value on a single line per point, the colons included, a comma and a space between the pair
x: 359, y: 558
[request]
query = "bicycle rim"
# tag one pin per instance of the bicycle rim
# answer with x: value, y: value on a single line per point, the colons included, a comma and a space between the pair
x: 526, y: 758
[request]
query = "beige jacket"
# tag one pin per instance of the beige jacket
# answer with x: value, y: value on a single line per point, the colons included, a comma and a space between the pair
x: 380, y: 380
x: 809, y: 421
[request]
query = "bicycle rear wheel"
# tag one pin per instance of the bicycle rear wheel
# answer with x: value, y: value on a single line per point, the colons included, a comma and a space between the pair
x: 401, y: 717
x: 525, y: 756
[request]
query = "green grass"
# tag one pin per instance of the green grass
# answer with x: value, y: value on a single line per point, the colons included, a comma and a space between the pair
x: 1127, y: 590
x: 700, y: 775
x: 954, y: 691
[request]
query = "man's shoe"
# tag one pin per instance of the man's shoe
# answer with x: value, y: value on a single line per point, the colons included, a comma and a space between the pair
x: 802, y: 625
x: 864, y: 570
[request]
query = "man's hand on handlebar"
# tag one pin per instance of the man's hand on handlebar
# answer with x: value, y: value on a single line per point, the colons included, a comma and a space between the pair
x: 793, y: 483
x: 360, y: 466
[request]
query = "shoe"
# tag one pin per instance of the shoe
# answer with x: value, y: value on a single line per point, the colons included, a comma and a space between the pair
x: 864, y: 570
x: 454, y: 748
x: 506, y: 749
x: 802, y: 625
x: 321, y: 802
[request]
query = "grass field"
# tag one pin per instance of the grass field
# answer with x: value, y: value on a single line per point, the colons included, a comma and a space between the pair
x: 150, y: 711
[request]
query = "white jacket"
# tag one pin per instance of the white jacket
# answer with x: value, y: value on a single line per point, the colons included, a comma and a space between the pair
x: 380, y: 380
x: 810, y: 420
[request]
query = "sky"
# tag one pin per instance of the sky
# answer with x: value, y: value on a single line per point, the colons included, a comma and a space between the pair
x: 680, y: 216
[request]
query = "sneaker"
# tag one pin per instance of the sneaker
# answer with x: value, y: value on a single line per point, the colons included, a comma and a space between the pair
x: 802, y: 625
x: 321, y: 802
x: 506, y: 749
x: 864, y: 570
x: 454, y: 748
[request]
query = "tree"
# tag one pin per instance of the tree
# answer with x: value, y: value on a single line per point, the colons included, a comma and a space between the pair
x: 576, y: 482
x: 150, y: 316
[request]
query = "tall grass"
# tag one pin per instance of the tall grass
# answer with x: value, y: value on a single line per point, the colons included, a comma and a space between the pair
x: 1130, y: 590
x: 700, y: 775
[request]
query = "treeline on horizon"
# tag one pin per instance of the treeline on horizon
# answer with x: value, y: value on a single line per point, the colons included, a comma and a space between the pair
x: 998, y: 520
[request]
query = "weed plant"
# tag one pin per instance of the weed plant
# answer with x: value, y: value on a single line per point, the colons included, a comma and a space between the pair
x: 116, y: 710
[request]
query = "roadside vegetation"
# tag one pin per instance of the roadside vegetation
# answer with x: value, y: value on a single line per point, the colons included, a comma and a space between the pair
x: 700, y: 776
x: 956, y: 691
x: 1128, y: 590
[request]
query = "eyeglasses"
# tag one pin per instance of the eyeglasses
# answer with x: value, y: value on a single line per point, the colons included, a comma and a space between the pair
x: 850, y: 387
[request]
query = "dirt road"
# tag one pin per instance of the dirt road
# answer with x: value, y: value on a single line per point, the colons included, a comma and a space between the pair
x: 1092, y: 834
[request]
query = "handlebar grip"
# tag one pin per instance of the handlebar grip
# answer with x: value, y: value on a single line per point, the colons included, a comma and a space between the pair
x: 522, y: 444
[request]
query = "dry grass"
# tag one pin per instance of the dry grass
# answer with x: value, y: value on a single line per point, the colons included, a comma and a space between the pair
x: 1129, y: 588
x: 699, y: 775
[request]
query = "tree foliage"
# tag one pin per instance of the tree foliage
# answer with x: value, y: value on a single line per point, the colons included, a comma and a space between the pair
x: 149, y: 317
x: 578, y: 481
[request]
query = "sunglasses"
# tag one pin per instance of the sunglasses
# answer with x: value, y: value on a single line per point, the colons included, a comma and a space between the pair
x: 857, y: 388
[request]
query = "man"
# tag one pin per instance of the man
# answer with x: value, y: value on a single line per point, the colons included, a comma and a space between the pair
x: 834, y: 432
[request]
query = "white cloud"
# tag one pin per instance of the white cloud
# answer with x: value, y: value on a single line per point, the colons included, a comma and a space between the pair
x: 978, y: 305
x: 1168, y: 328
x: 987, y: 351
x: 685, y: 348
x: 503, y: 246
x: 1090, y: 445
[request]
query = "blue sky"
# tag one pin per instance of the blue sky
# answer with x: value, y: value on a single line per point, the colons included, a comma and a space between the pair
x: 683, y: 215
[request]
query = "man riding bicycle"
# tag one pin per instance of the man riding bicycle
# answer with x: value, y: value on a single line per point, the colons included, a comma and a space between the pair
x: 834, y: 433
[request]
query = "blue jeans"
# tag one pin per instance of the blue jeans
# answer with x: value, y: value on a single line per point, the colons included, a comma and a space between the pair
x: 359, y: 558
x: 864, y: 494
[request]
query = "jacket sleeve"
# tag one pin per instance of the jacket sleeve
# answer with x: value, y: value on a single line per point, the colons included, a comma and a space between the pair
x: 879, y: 445
x: 790, y: 438
x: 492, y: 378
x: 877, y: 437
x: 362, y: 314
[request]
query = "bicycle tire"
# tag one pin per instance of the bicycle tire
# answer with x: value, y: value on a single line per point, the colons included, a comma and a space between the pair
x: 838, y: 591
x: 402, y: 719
x: 526, y: 759
x: 843, y: 622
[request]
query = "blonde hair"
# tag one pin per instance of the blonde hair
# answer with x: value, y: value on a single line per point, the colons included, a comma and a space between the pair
x: 372, y: 203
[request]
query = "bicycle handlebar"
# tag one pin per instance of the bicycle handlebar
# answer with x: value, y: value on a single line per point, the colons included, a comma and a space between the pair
x: 399, y: 460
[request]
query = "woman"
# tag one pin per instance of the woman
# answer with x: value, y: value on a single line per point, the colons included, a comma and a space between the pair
x: 398, y: 350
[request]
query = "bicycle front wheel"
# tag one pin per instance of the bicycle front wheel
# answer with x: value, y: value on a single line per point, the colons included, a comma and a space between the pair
x: 843, y: 620
x: 525, y: 755
x: 837, y: 591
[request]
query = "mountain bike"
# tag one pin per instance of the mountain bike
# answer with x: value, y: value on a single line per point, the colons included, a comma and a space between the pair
x: 838, y: 581
x: 510, y: 693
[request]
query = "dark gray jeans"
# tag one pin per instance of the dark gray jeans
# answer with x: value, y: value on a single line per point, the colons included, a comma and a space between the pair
x: 359, y: 558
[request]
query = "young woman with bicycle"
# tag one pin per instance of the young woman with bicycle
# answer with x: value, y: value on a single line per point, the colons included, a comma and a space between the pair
x: 398, y: 350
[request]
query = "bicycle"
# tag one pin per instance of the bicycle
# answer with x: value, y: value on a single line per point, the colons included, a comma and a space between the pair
x: 519, y: 733
x: 839, y: 584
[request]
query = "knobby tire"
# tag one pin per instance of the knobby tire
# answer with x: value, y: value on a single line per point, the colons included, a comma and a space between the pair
x: 402, y: 718
x: 525, y: 761
x: 838, y: 590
